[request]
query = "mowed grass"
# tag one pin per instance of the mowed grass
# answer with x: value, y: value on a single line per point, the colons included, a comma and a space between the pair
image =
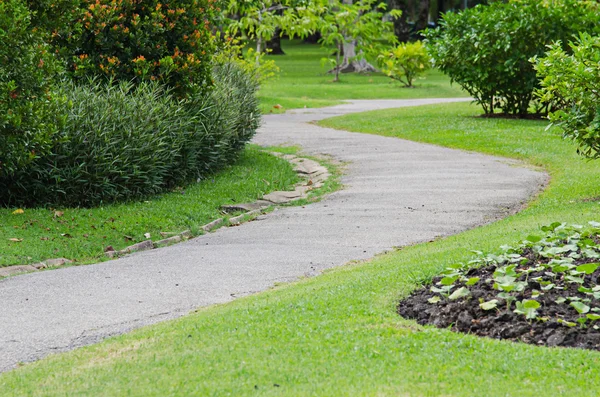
x: 338, y: 334
x: 304, y: 82
x: 83, y: 234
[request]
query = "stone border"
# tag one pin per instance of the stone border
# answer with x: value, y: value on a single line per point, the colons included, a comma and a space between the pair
x: 313, y: 175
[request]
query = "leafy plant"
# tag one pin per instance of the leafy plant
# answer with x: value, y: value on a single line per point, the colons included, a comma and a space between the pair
x: 255, y: 64
x: 570, y: 84
x: 28, y: 104
x: 405, y: 62
x: 486, y: 49
x: 561, y: 262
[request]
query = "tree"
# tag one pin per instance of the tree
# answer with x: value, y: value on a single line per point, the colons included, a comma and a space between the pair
x: 264, y: 21
x: 355, y: 29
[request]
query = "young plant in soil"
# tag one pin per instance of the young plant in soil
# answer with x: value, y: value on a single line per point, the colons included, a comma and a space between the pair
x: 544, y: 291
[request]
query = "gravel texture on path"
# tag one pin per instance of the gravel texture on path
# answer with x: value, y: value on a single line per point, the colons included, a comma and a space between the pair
x: 396, y: 193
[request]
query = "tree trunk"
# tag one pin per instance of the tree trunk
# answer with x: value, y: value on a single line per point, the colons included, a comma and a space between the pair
x: 313, y: 38
x: 401, y: 26
x: 337, y: 62
x: 350, y: 63
x: 273, y: 46
x: 422, y: 17
x: 414, y: 11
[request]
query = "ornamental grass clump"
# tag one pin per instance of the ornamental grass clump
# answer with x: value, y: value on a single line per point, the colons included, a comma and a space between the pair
x: 545, y: 291
x: 125, y: 142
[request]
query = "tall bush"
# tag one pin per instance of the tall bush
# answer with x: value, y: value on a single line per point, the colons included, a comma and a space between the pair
x: 571, y: 82
x: 486, y: 49
x: 135, y: 40
x: 28, y: 107
x: 124, y: 142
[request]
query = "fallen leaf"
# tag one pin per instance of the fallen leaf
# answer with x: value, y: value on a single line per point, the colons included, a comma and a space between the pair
x: 67, y: 235
x: 58, y: 214
x: 15, y: 240
x: 278, y: 106
x: 109, y: 249
x: 44, y: 238
x: 128, y: 238
x: 147, y: 235
x: 18, y: 212
x: 310, y: 183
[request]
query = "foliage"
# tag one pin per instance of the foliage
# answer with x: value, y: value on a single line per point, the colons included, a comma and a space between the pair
x: 54, y: 18
x: 123, y: 142
x: 487, y: 49
x: 27, y: 102
x: 361, y: 23
x: 129, y: 40
x: 231, y: 50
x: 571, y: 82
x: 259, y: 20
x: 405, y: 62
x: 564, y: 256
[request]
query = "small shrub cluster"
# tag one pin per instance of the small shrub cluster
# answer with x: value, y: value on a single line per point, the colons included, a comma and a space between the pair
x: 487, y: 49
x: 124, y: 142
x: 405, y: 62
x: 545, y: 290
x: 570, y: 83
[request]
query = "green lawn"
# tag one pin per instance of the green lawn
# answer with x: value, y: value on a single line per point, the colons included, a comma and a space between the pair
x: 304, y: 82
x: 338, y: 334
x: 83, y: 234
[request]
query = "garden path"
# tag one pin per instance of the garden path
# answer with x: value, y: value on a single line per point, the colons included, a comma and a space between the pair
x: 396, y: 193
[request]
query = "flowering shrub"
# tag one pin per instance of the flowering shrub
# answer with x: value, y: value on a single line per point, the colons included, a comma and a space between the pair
x: 138, y: 40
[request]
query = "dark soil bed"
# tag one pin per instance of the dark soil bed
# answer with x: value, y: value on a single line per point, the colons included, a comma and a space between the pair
x: 567, y: 312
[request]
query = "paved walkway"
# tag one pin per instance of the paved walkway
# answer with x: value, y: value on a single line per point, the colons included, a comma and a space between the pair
x: 397, y: 193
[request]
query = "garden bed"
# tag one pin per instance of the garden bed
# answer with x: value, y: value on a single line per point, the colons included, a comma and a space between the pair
x: 544, y: 291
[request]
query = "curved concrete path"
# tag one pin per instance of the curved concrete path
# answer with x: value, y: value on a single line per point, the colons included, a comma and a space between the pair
x: 397, y: 193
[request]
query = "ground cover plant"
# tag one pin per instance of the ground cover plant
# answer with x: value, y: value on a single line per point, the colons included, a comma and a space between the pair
x: 277, y: 342
x: 543, y: 291
x: 33, y: 235
x: 304, y: 82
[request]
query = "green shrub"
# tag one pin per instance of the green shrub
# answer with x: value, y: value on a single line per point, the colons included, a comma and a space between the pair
x: 127, y: 40
x: 27, y: 103
x: 124, y: 142
x: 405, y: 62
x: 55, y: 17
x: 486, y: 49
x: 571, y: 82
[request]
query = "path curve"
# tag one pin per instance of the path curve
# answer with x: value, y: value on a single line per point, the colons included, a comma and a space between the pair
x: 397, y: 192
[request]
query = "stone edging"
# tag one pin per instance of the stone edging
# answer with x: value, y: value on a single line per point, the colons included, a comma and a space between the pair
x: 313, y: 176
